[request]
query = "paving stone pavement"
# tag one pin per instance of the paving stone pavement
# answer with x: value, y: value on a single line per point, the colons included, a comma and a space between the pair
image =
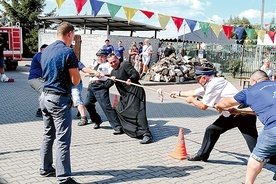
x: 98, y: 156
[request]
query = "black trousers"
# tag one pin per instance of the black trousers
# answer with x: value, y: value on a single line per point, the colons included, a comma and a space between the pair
x: 97, y: 93
x: 245, y: 123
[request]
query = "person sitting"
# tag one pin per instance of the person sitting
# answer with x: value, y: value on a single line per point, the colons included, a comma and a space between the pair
x: 4, y: 21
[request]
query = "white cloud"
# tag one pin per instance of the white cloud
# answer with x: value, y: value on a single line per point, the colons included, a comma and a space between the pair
x: 250, y: 14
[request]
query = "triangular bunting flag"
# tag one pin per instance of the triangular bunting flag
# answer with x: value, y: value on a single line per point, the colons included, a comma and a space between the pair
x: 163, y: 20
x: 216, y: 28
x: 147, y: 13
x: 113, y: 9
x: 191, y: 24
x: 227, y: 31
x: 261, y: 34
x: 271, y: 35
x: 239, y: 31
x: 250, y: 33
x: 130, y: 12
x: 96, y: 6
x: 79, y: 5
x: 266, y: 26
x: 204, y: 26
x: 60, y: 2
x: 177, y: 22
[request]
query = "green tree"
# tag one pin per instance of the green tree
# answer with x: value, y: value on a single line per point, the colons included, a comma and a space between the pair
x: 272, y: 26
x: 26, y: 12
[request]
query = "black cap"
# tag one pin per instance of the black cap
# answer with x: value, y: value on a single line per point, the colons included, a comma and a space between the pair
x: 101, y: 52
x: 43, y: 46
x: 201, y: 70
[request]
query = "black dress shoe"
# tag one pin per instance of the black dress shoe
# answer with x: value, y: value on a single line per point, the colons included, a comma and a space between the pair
x: 51, y: 172
x: 97, y: 125
x: 38, y: 113
x: 70, y: 181
x: 118, y: 131
x: 196, y: 157
x: 146, y: 140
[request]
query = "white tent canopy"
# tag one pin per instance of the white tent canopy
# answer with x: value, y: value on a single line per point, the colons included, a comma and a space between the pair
x: 267, y: 41
x: 209, y: 37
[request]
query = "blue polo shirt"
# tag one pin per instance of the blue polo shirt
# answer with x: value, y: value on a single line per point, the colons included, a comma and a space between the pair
x: 109, y: 49
x: 261, y: 98
x: 56, y: 60
x: 119, y: 51
x: 35, y: 69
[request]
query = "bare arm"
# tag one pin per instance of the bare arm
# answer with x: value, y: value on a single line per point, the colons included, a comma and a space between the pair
x: 174, y: 94
x: 75, y: 76
x: 196, y: 103
x: 226, y: 103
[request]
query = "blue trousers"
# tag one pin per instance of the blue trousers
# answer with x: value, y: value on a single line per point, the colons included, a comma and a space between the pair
x: 57, y: 119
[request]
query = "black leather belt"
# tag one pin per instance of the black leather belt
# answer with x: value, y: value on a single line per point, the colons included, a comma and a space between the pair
x: 56, y: 93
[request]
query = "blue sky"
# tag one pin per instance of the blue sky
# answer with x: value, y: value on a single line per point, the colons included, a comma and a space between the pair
x: 202, y: 10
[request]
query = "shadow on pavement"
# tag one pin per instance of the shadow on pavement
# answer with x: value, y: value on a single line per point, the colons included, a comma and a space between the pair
x: 143, y: 172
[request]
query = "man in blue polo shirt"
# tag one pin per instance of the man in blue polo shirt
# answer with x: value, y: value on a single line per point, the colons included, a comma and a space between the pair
x: 120, y: 51
x: 107, y: 47
x: 261, y: 98
x: 59, y: 70
x: 35, y: 79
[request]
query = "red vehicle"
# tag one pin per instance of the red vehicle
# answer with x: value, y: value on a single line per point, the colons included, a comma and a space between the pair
x: 14, y: 46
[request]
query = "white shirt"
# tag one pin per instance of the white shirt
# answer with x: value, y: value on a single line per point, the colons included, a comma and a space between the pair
x: 268, y: 71
x: 104, y: 68
x: 146, y: 50
x: 216, y: 89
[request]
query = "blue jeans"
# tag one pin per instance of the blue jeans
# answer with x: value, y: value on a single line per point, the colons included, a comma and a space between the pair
x: 266, y: 145
x: 57, y: 119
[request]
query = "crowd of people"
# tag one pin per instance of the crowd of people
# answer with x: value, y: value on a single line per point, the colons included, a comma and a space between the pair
x: 55, y: 75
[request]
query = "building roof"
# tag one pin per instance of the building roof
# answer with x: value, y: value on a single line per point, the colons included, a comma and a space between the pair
x: 100, y: 22
x: 209, y: 37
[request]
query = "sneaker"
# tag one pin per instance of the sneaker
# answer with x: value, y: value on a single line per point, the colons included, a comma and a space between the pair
x: 70, y: 181
x: 51, y: 172
x: 97, y: 125
x: 4, y: 78
x: 118, y: 131
x: 38, y: 113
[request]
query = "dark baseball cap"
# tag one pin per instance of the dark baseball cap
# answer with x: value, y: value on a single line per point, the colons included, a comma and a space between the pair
x: 101, y: 52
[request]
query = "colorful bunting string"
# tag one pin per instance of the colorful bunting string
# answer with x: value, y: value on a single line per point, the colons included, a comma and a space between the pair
x: 113, y: 9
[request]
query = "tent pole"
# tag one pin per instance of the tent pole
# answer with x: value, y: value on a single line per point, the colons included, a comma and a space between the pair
x: 182, y: 50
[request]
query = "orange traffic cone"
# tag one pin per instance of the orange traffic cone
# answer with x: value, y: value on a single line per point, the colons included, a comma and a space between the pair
x: 115, y: 101
x: 180, y: 148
